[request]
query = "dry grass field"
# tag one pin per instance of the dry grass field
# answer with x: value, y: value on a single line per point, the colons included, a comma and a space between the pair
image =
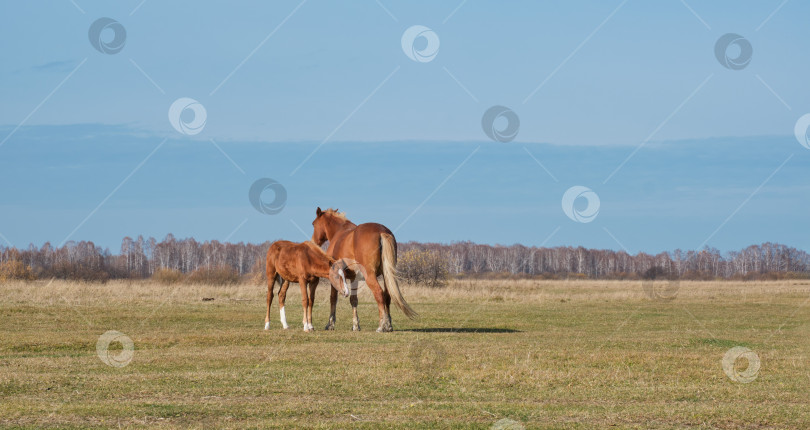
x: 485, y: 354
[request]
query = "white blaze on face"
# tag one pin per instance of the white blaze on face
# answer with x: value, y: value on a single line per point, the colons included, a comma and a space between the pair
x: 343, y: 279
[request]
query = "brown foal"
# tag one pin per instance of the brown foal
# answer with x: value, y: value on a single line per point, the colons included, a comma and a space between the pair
x: 304, y: 263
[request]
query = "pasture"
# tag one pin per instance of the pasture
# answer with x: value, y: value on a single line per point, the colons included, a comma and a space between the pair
x: 537, y: 354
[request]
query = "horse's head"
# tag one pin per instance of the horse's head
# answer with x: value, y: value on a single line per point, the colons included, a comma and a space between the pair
x: 344, y: 269
x: 322, y: 223
x: 319, y: 227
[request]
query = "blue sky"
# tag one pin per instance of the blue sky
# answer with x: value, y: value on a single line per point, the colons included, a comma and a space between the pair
x: 625, y: 98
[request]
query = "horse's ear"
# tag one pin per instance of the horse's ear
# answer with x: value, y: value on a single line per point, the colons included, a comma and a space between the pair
x: 318, y: 212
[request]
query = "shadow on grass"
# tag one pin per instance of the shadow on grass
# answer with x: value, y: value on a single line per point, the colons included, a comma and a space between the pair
x: 462, y: 330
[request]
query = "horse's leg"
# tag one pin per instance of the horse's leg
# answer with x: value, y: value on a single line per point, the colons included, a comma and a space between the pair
x: 312, y: 287
x: 333, y: 307
x: 387, y: 300
x: 271, y: 283
x: 282, y: 297
x: 374, y: 286
x: 353, y: 301
x: 304, y: 301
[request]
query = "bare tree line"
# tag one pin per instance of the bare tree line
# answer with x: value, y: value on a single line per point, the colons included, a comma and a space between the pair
x: 142, y: 258
x: 138, y: 258
x: 756, y: 261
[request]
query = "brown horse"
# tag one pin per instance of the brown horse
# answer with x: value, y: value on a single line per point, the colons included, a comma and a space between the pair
x: 373, y: 246
x: 304, y: 263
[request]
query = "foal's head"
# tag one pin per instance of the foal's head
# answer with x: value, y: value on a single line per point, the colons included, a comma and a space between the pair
x: 340, y: 271
x: 337, y: 277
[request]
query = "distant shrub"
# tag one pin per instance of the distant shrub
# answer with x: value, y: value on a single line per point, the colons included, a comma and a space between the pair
x: 427, y: 268
x: 76, y: 272
x: 698, y: 276
x: 214, y: 275
x: 15, y: 270
x: 167, y: 276
x: 655, y: 272
x: 770, y: 276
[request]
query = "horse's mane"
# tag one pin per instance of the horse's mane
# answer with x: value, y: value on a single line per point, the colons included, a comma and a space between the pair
x: 336, y: 214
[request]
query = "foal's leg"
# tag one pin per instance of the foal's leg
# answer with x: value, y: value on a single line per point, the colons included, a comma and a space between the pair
x: 333, y: 307
x: 374, y: 286
x: 312, y: 287
x: 282, y: 297
x: 304, y: 302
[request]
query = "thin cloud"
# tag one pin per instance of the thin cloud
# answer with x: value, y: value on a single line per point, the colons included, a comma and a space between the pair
x: 55, y: 66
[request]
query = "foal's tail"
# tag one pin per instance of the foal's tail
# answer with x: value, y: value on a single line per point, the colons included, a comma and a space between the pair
x: 389, y: 262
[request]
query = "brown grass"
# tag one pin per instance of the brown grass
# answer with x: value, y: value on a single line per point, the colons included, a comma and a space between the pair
x: 547, y: 354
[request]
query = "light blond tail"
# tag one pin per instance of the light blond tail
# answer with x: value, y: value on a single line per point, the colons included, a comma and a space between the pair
x: 389, y: 263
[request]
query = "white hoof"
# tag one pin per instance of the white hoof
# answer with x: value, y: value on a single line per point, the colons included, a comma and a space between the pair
x: 267, y: 325
x: 286, y: 327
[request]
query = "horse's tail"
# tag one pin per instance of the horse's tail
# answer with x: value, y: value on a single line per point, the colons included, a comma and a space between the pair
x: 389, y: 262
